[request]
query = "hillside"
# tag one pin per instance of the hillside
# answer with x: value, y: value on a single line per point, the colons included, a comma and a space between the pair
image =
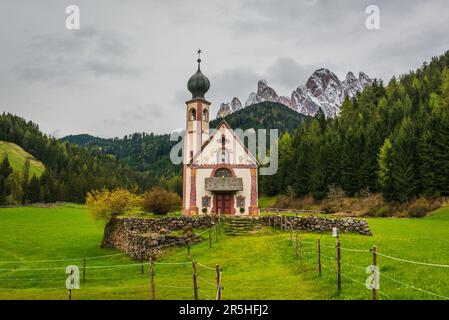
x: 150, y: 152
x: 17, y: 157
x: 265, y: 115
x: 70, y: 171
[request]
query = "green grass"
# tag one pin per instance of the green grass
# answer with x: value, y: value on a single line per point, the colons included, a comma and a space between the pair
x: 267, y: 202
x: 261, y: 265
x: 17, y: 157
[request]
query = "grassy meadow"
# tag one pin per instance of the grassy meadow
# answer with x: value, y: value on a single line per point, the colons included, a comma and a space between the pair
x: 17, y: 157
x: 260, y: 265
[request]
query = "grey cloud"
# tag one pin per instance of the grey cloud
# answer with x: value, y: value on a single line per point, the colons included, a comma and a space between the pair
x: 234, y: 82
x: 67, y: 57
x: 289, y: 73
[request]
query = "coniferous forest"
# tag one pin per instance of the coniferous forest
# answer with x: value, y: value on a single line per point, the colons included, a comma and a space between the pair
x: 71, y: 171
x: 392, y: 139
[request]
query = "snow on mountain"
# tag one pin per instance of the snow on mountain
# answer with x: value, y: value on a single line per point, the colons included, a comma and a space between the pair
x: 322, y: 90
x: 228, y: 108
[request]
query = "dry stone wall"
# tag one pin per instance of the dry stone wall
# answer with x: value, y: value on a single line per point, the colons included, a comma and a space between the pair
x: 318, y: 224
x: 142, y: 238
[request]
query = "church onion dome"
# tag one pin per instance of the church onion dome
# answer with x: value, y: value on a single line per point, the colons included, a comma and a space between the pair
x: 198, y: 84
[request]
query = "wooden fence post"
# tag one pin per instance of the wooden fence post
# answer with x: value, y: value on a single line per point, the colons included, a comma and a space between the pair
x: 216, y: 232
x: 188, y: 250
x: 217, y: 270
x: 296, y: 245
x: 319, y: 256
x: 338, y: 265
x: 210, y: 238
x: 153, y: 292
x: 141, y: 267
x: 195, y: 283
x: 84, y: 270
x: 375, y: 284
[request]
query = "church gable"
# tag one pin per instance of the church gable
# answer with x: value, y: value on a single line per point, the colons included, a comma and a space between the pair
x: 224, y: 147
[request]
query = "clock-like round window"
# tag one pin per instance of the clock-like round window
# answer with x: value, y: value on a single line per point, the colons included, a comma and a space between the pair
x: 223, y: 172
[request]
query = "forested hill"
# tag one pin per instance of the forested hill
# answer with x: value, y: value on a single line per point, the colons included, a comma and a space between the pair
x: 265, y: 115
x: 150, y: 152
x: 392, y: 139
x: 70, y: 171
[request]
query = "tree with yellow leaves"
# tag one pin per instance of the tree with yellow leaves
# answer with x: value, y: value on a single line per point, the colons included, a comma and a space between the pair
x: 106, y: 204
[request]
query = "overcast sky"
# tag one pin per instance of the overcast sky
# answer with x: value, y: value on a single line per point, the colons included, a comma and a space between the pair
x: 126, y: 69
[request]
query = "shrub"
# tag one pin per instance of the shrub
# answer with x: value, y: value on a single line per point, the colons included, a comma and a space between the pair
x: 204, y: 210
x: 160, y: 201
x: 435, y: 205
x: 328, y: 207
x: 384, y: 211
x: 105, y: 204
x: 242, y: 209
x: 418, y: 208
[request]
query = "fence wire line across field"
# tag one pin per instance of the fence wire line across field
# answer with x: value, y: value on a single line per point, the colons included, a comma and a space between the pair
x: 202, y: 291
x: 207, y: 282
x: 62, y: 260
x: 413, y: 287
x: 204, y: 266
x: 414, y: 262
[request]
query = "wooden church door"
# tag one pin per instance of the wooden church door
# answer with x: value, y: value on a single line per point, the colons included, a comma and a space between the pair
x: 223, y: 202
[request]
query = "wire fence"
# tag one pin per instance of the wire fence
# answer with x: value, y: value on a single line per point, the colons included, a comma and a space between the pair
x: 189, y: 278
x: 202, y: 281
x: 334, y: 264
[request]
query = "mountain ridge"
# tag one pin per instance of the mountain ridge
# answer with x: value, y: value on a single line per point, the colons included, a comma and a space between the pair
x: 323, y: 89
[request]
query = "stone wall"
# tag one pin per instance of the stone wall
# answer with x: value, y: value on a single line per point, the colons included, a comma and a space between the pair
x: 318, y: 224
x: 142, y: 238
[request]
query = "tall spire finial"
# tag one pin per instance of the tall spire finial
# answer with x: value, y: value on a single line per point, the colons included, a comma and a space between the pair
x: 198, y: 52
x: 198, y: 84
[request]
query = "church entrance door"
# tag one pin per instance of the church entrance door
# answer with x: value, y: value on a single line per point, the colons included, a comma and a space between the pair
x: 223, y: 202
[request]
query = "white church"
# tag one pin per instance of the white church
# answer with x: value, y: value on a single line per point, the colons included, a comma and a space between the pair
x: 219, y: 173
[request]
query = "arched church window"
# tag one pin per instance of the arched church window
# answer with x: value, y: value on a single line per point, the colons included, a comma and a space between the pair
x: 223, y: 140
x: 205, y: 115
x: 223, y: 172
x: 192, y: 116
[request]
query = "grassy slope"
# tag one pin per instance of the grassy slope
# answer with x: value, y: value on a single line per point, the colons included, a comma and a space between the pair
x: 255, y: 266
x: 17, y: 157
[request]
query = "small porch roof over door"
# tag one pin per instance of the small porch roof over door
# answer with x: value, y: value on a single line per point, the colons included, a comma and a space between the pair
x: 223, y: 184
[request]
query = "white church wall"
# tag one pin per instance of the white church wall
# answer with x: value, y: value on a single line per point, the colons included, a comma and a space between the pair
x: 201, y: 175
x: 186, y: 193
x: 245, y: 174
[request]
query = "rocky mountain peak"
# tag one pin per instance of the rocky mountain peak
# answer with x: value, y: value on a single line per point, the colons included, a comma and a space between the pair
x: 228, y: 108
x: 323, y: 89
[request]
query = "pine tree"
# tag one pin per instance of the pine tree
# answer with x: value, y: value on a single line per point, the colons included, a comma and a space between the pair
x: 403, y: 163
x: 33, y: 190
x: 385, y: 168
x: 5, y: 171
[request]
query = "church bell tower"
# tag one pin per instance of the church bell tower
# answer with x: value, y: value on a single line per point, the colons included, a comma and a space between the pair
x: 197, y: 132
x: 197, y: 113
